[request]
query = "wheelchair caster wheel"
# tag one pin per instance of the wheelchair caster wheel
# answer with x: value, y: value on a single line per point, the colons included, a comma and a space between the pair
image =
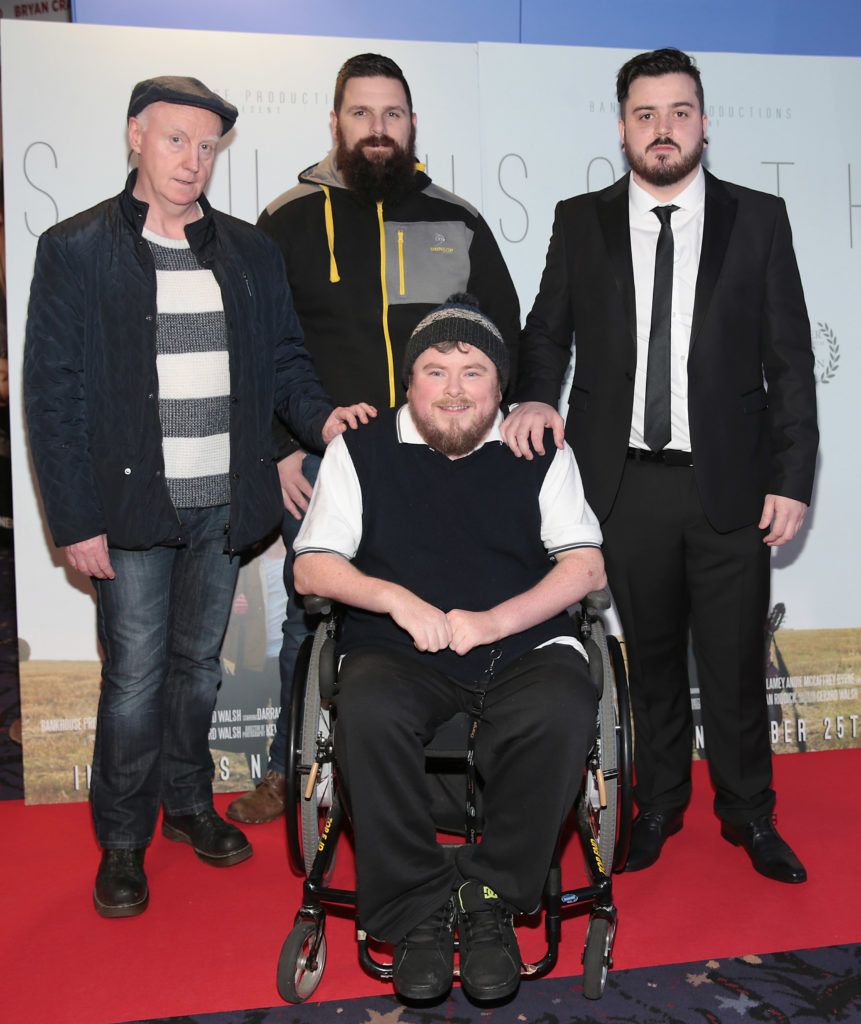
x: 596, y: 956
x: 299, y: 974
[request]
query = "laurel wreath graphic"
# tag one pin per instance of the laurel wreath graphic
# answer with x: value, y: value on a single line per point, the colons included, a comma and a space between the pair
x: 830, y: 370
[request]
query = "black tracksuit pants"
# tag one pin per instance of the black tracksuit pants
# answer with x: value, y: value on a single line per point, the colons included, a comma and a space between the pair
x: 536, y: 730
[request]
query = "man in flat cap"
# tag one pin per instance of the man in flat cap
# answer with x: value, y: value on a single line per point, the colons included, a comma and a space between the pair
x: 161, y: 336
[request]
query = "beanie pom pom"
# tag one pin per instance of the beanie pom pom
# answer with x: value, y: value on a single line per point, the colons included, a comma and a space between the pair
x: 462, y: 299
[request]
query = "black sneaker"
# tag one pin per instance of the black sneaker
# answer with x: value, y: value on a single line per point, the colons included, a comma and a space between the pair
x: 121, y: 889
x: 213, y: 839
x: 423, y: 964
x: 489, y: 955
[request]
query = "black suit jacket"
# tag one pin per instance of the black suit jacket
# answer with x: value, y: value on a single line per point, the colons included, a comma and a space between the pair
x: 751, y: 389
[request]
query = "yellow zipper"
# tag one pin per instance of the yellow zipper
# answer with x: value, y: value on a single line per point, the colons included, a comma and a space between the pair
x: 334, y: 276
x: 401, y: 281
x: 389, y: 357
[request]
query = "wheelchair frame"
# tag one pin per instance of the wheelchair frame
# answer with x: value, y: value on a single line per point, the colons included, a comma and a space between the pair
x: 603, y: 814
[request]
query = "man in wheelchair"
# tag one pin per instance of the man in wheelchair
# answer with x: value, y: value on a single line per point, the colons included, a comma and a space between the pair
x: 456, y: 562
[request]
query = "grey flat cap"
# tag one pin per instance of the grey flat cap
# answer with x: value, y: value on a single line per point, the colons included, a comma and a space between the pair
x: 188, y: 92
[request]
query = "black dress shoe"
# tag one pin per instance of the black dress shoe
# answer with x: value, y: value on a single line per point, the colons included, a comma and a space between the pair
x: 771, y: 855
x: 650, y: 831
x: 214, y: 840
x: 121, y: 889
x: 423, y: 964
x: 490, y: 958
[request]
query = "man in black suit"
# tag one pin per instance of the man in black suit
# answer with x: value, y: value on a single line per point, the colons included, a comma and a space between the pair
x: 693, y: 418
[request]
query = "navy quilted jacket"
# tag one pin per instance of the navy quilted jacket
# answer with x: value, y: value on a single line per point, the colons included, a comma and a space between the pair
x: 91, y: 386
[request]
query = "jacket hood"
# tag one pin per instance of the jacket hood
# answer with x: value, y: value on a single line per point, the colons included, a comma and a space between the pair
x: 327, y: 173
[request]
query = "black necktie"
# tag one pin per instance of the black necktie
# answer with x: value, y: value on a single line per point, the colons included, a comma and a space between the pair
x: 656, y: 427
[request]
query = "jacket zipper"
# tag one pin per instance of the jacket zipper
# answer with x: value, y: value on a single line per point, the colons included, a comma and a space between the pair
x: 401, y: 276
x: 329, y: 221
x: 389, y: 357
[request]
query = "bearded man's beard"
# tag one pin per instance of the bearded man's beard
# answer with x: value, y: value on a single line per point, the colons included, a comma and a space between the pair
x: 664, y: 172
x: 386, y: 178
x: 457, y: 441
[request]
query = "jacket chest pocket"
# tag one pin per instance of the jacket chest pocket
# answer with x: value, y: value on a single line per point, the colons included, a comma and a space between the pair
x: 426, y: 261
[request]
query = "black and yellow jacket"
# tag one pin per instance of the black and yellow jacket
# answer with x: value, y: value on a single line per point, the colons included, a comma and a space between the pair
x: 364, y: 274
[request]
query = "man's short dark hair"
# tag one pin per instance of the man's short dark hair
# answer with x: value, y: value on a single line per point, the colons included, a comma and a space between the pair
x: 369, y: 65
x: 668, y: 61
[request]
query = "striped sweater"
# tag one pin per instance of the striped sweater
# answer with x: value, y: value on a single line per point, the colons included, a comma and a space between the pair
x: 193, y: 376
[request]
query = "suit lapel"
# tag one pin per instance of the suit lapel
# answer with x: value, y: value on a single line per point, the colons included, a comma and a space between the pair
x: 718, y: 221
x: 613, y: 216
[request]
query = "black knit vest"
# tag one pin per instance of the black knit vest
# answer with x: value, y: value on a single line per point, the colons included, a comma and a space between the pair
x: 459, y: 533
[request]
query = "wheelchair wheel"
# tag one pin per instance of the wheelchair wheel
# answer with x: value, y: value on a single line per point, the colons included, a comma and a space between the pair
x: 294, y: 779
x: 307, y: 721
x: 612, y: 821
x: 299, y: 972
x: 597, y: 956
x: 625, y: 749
x: 315, y: 723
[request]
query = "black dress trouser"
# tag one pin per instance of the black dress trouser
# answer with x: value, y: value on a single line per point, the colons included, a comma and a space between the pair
x: 670, y: 570
x: 536, y: 730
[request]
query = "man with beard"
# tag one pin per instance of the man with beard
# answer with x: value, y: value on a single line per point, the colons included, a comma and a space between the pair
x: 371, y: 245
x: 456, y: 562
x: 685, y: 300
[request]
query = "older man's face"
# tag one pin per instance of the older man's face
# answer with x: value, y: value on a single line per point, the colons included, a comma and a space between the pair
x: 176, y: 148
x: 454, y: 398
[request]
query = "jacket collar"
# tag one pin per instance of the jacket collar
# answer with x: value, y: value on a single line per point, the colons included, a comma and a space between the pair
x: 615, y: 224
x: 199, y: 233
x: 718, y: 221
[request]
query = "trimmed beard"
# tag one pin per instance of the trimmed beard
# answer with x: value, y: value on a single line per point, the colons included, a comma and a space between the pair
x: 387, y: 179
x: 665, y: 173
x: 457, y: 441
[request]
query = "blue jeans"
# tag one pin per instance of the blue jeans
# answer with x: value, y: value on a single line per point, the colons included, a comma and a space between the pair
x: 161, y: 625
x: 295, y: 627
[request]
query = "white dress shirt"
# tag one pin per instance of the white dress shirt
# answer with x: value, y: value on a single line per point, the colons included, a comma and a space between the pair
x: 687, y: 225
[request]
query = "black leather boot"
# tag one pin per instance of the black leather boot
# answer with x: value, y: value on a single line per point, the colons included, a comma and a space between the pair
x: 213, y: 839
x: 121, y: 889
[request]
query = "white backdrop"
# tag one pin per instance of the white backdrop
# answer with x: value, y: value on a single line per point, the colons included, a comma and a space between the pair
x: 65, y: 94
x: 513, y: 129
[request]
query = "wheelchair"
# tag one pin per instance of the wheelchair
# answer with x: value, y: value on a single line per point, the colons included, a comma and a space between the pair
x: 316, y: 813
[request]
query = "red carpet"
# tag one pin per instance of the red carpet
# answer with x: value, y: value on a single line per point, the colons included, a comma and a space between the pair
x: 210, y: 938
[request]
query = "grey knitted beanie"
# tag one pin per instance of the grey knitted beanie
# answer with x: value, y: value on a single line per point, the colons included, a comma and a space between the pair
x: 458, y: 319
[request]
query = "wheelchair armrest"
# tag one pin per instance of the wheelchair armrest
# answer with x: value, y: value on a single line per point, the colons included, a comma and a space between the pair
x: 597, y: 600
x: 317, y: 605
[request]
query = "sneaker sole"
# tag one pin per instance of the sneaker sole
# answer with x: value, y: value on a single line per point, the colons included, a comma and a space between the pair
x: 422, y: 994
x: 486, y: 995
x: 225, y: 860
